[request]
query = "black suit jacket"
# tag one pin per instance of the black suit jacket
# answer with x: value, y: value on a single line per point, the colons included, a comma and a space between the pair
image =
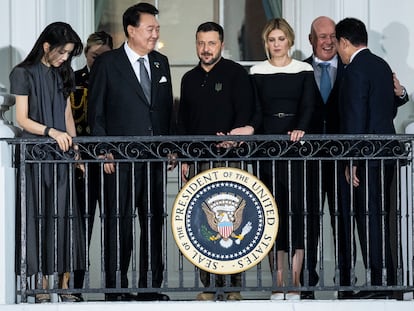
x: 325, y: 118
x: 82, y: 77
x: 79, y: 102
x: 117, y: 104
x: 367, y: 100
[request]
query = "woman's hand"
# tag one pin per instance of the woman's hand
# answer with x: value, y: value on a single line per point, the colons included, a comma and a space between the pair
x: 63, y: 139
x: 244, y: 130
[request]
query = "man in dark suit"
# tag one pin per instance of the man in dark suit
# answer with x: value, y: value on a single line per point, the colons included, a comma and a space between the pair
x: 367, y: 106
x: 131, y: 95
x: 325, y: 120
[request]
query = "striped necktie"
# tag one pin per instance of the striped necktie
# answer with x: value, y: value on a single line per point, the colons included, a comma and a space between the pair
x: 144, y: 79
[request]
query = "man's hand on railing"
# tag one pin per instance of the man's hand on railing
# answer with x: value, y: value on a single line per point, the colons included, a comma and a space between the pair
x: 243, y: 130
x: 172, y: 161
x: 296, y: 135
x: 227, y: 143
x: 109, y: 167
x: 353, y: 176
x: 185, y: 169
x: 78, y: 157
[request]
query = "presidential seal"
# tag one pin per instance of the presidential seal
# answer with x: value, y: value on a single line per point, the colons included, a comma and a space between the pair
x: 224, y: 220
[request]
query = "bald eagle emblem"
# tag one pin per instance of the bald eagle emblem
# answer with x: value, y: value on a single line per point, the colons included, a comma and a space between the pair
x: 224, y: 213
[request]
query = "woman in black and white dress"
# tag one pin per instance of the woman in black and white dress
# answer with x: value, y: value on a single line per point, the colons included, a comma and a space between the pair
x: 285, y: 91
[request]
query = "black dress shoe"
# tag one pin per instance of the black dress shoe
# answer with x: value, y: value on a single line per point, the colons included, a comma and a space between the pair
x: 346, y: 294
x: 120, y: 297
x: 111, y: 297
x: 80, y: 297
x: 69, y: 298
x: 152, y: 297
x: 402, y: 295
x: 368, y: 294
x: 310, y: 295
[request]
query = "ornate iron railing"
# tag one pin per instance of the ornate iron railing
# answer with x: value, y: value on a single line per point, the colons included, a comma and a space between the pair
x: 39, y: 161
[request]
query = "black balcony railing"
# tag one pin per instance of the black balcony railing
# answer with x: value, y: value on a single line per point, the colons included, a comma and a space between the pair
x: 58, y: 231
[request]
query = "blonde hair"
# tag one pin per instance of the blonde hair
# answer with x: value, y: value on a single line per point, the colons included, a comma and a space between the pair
x: 99, y: 38
x: 281, y: 24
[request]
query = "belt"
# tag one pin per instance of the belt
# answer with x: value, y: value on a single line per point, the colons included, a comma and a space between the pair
x: 283, y: 115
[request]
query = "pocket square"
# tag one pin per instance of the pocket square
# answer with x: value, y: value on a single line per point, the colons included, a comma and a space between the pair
x: 163, y: 79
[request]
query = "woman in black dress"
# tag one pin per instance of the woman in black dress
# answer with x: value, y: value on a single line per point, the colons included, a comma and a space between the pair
x: 42, y: 84
x: 285, y: 91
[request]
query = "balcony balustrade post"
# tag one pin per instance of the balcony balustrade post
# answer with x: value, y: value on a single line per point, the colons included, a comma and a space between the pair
x: 407, y: 213
x: 7, y: 205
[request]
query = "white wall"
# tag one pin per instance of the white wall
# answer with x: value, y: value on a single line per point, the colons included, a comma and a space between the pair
x: 390, y: 26
x: 23, y: 20
x: 5, y: 51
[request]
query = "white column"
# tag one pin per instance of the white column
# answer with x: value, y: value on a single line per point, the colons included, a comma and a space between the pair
x: 7, y: 207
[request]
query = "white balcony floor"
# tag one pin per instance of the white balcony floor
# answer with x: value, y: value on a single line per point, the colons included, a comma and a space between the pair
x: 245, y: 305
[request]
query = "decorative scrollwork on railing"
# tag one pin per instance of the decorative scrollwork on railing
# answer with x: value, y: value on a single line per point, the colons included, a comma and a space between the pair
x: 250, y: 148
x: 377, y: 148
x: 49, y: 153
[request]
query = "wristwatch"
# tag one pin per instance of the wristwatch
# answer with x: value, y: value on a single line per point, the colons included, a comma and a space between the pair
x: 404, y: 92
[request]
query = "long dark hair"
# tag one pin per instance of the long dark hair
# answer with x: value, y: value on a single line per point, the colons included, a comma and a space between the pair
x: 57, y: 34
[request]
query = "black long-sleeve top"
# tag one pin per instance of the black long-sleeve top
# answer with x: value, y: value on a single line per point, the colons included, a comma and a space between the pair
x: 215, y: 101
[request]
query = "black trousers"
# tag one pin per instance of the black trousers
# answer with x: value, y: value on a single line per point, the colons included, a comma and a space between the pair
x: 288, y: 192
x: 371, y: 206
x: 120, y: 210
x: 324, y: 182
